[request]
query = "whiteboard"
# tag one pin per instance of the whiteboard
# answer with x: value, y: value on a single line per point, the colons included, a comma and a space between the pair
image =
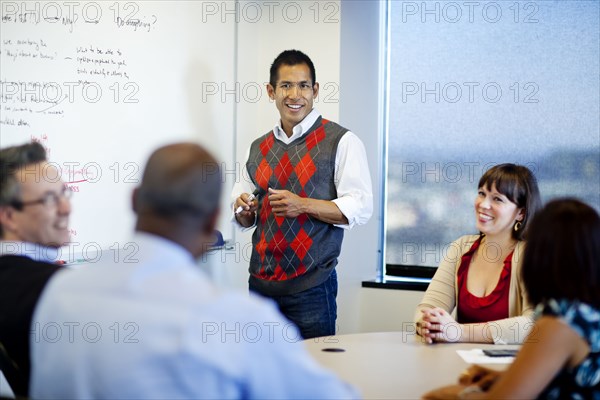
x: 103, y: 84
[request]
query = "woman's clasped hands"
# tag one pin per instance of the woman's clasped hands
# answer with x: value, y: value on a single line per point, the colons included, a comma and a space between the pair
x: 437, y: 325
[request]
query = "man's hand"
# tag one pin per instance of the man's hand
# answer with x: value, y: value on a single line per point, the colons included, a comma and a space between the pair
x: 289, y: 205
x: 247, y: 216
x: 286, y: 204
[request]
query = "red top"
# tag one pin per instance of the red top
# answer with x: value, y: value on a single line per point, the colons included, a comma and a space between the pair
x: 494, y: 306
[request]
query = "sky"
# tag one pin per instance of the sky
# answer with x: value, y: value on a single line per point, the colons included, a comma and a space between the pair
x: 546, y: 66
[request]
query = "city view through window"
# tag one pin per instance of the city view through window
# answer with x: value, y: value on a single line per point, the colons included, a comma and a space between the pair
x: 475, y: 84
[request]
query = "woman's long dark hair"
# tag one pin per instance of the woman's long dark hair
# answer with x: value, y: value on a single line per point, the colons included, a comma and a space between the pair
x: 562, y: 256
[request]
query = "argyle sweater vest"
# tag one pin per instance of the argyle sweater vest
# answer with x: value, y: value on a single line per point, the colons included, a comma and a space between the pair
x: 290, y: 255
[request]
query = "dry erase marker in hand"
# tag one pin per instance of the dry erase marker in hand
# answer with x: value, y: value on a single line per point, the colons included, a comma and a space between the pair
x: 251, y: 197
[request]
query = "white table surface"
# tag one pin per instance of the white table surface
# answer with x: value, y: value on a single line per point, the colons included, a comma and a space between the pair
x: 393, y: 365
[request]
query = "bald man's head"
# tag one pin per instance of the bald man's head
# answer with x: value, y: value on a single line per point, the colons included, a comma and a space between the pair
x: 180, y: 180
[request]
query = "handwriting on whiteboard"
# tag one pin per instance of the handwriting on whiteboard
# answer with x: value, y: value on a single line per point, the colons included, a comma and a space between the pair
x: 125, y: 16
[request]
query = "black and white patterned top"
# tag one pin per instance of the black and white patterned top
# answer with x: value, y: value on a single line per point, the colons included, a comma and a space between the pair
x: 583, y: 381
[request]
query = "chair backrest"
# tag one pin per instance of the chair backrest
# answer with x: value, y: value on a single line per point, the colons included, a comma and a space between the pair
x: 12, y: 373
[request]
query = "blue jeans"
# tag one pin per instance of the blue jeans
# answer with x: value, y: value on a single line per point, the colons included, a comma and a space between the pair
x: 314, y: 310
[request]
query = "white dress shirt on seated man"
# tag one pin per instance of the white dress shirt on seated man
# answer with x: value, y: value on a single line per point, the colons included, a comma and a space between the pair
x: 150, y: 325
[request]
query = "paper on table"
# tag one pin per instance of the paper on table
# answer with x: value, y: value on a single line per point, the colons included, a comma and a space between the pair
x: 476, y: 356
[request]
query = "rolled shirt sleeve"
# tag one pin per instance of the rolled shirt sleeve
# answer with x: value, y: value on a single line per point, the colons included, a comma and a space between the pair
x: 353, y: 181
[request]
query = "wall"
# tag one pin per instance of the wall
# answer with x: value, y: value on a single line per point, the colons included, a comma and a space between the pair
x: 361, y: 110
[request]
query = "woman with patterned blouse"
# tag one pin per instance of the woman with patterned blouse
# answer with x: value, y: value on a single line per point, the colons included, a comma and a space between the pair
x: 561, y: 357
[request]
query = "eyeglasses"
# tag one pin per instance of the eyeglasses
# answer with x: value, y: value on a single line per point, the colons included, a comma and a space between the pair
x: 302, y: 86
x: 49, y: 199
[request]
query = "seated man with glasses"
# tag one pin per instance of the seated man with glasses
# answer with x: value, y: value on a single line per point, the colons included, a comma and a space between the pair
x: 34, y: 219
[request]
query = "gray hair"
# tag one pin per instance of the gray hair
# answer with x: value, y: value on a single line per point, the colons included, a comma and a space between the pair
x: 11, y: 160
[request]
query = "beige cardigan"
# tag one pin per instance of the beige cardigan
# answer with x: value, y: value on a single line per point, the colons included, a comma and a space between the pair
x: 443, y: 293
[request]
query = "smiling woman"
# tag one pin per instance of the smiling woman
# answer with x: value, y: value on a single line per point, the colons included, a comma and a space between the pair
x: 481, y: 280
x: 561, y: 361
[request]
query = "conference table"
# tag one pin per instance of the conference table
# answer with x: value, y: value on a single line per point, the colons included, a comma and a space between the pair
x: 393, y: 365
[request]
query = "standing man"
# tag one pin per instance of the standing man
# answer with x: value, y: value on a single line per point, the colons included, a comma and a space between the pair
x: 312, y: 182
x: 34, y: 221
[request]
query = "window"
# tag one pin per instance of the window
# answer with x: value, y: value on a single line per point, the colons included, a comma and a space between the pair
x: 473, y: 84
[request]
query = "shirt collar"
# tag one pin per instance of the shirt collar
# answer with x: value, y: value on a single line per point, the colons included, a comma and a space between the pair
x: 157, y: 256
x: 35, y: 251
x: 155, y: 247
x: 298, y: 130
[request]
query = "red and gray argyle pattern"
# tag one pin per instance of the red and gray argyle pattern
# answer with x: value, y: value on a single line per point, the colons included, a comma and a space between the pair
x: 286, y: 248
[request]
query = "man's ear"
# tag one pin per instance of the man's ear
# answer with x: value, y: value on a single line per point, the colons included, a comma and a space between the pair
x: 271, y: 91
x: 7, y: 218
x: 316, y: 89
x: 211, y: 223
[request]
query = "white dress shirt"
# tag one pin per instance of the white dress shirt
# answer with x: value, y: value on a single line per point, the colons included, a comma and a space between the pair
x: 352, y: 177
x: 150, y: 325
